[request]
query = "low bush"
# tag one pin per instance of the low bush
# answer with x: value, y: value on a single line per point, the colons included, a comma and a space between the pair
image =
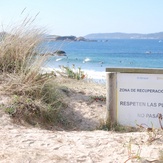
x: 74, y: 73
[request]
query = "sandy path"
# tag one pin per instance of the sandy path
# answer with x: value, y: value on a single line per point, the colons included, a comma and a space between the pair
x: 20, y: 144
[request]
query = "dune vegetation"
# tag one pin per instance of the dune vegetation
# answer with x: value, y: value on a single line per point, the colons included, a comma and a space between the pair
x: 35, y: 99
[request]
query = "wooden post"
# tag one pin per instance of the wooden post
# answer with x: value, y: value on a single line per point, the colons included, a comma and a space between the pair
x: 111, y: 98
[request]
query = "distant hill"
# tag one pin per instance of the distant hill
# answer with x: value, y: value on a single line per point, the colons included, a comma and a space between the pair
x: 118, y: 35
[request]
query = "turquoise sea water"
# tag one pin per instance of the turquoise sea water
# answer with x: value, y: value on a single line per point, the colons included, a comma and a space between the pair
x: 98, y: 56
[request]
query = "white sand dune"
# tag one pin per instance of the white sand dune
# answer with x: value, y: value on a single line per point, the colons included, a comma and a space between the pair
x: 27, y: 144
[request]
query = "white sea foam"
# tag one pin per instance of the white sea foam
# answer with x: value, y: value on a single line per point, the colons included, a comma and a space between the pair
x: 58, y: 59
x: 86, y: 60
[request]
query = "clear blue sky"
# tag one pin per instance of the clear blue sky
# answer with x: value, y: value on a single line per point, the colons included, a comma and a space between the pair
x: 82, y: 17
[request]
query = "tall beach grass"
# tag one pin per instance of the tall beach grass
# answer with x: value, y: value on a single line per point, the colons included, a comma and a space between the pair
x: 20, y: 70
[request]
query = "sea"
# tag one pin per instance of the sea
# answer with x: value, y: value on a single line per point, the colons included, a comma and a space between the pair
x: 95, y: 56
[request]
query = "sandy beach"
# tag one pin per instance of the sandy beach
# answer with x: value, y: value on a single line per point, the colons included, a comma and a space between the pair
x: 83, y: 141
x: 96, y: 76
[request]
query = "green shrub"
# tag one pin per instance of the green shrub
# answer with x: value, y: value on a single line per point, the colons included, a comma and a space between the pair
x: 41, y: 111
x: 73, y: 72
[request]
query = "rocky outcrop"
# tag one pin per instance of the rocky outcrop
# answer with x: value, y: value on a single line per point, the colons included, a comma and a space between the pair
x: 67, y: 38
x: 59, y: 53
x: 80, y: 39
x: 55, y: 53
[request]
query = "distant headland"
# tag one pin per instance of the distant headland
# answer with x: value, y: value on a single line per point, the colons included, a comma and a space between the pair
x: 65, y: 38
x: 119, y: 35
x: 99, y: 36
x: 106, y: 36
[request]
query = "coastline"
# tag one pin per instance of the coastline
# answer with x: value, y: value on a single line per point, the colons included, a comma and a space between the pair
x: 96, y: 76
x: 90, y: 75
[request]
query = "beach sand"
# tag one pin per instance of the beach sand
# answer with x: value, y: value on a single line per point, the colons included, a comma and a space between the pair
x: 83, y: 142
x: 96, y: 76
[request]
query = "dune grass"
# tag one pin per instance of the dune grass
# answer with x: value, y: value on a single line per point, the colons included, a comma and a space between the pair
x: 35, y: 98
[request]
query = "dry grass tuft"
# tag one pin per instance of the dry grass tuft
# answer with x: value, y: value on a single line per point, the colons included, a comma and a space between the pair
x: 18, y: 47
x: 36, y: 99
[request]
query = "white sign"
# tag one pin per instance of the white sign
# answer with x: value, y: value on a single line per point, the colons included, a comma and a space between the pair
x: 139, y: 99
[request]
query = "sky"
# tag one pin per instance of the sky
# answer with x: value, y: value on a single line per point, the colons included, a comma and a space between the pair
x: 82, y: 17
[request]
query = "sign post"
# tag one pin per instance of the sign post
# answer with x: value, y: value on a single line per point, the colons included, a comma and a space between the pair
x: 134, y: 96
x: 111, y: 101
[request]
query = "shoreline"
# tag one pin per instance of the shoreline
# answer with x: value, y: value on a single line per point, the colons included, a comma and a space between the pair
x: 95, y: 76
